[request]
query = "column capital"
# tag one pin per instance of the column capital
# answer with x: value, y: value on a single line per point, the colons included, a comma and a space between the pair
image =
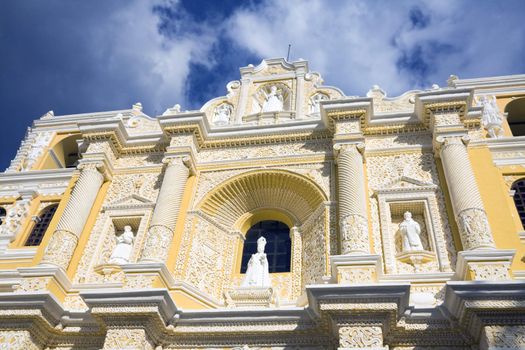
x: 352, y: 147
x: 180, y: 159
x: 96, y: 165
x: 443, y: 141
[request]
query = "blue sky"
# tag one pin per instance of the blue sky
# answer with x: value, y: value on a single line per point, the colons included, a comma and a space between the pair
x: 80, y: 56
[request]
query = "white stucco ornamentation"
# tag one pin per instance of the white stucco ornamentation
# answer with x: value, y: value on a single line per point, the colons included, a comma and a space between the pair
x: 222, y: 114
x: 352, y: 200
x: 40, y: 143
x: 315, y: 99
x: 360, y: 337
x: 70, y: 226
x: 466, y: 199
x: 491, y: 118
x: 146, y: 247
x: 166, y: 210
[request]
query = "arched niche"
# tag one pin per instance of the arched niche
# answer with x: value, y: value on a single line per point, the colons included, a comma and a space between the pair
x: 290, y: 193
x: 63, y: 154
x: 215, y: 231
x: 516, y: 116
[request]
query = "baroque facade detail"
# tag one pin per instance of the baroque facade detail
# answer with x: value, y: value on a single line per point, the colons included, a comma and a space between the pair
x: 361, y: 222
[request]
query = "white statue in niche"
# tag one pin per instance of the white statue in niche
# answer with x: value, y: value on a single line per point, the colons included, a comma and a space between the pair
x: 410, y: 231
x: 491, y: 117
x: 222, y: 114
x: 257, y: 273
x: 273, y: 100
x: 314, y: 102
x: 122, y: 251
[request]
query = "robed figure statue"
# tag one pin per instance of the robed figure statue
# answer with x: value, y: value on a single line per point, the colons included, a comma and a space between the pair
x: 257, y: 273
x: 410, y: 231
x: 122, y: 251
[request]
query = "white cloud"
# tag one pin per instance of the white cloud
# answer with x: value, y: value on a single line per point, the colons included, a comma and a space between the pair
x: 359, y: 43
x: 151, y: 66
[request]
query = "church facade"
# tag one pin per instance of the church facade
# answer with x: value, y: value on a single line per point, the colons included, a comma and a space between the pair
x: 283, y: 215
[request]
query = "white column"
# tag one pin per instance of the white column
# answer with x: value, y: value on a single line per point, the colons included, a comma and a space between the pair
x: 160, y: 233
x: 353, y: 215
x: 65, y: 237
x: 466, y: 200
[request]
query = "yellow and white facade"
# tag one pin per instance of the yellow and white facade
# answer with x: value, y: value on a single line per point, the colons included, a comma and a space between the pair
x: 340, y: 171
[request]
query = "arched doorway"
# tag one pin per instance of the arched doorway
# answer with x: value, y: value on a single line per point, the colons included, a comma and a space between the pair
x: 516, y: 116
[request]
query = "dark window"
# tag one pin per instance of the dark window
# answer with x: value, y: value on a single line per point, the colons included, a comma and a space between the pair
x: 516, y: 116
x: 2, y: 215
x: 278, y: 245
x: 42, y: 222
x: 519, y: 198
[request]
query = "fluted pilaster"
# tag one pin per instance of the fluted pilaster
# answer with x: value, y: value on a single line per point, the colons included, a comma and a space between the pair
x: 165, y: 214
x: 353, y: 216
x: 65, y: 237
x: 466, y: 200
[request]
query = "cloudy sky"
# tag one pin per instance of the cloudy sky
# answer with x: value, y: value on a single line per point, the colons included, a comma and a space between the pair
x: 75, y: 56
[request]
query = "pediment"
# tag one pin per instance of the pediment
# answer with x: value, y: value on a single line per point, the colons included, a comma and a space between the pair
x: 406, y: 183
x: 133, y: 200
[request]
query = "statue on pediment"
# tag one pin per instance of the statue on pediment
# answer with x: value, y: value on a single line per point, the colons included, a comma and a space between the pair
x: 315, y: 100
x: 410, y: 231
x: 257, y: 273
x: 491, y: 117
x: 222, y: 114
x: 273, y: 100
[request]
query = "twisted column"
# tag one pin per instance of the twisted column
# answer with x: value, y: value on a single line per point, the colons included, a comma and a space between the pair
x: 466, y: 200
x: 164, y: 219
x: 353, y: 216
x: 65, y: 237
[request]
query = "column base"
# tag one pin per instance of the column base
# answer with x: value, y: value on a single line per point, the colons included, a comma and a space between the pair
x: 356, y: 269
x: 484, y: 264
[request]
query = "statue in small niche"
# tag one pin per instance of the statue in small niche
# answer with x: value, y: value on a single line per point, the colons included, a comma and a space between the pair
x: 257, y: 273
x: 273, y: 100
x: 122, y: 251
x: 410, y: 231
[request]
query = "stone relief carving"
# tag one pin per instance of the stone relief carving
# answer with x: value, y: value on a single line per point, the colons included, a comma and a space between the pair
x: 353, y: 227
x: 385, y: 143
x: 117, y: 339
x: 139, y: 160
x: 490, y: 272
x: 387, y: 169
x: 209, y: 260
x: 314, y: 247
x: 504, y: 337
x: 14, y: 218
x: 358, y: 337
x: 39, y: 145
x: 17, y: 340
x: 474, y: 228
x: 145, y: 185
x: 264, y: 151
